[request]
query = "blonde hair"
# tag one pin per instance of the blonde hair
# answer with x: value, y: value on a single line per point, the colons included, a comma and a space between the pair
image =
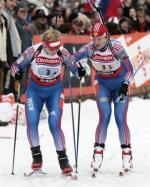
x: 51, y: 35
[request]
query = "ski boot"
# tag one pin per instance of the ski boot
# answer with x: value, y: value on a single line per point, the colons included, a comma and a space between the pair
x: 127, y: 163
x: 37, y: 158
x: 64, y: 162
x: 97, y: 156
x: 3, y: 123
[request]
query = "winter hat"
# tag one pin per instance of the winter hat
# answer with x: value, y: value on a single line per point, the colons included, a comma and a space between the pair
x: 22, y: 5
x: 99, y: 30
x: 39, y: 13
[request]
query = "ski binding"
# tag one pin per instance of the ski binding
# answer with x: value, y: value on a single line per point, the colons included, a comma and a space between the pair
x: 94, y: 172
x: 124, y: 172
x: 70, y: 175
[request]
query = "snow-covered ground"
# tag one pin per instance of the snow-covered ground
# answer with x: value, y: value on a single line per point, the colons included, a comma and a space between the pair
x: 139, y: 123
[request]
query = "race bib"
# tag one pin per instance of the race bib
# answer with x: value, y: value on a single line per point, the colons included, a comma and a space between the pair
x: 48, y: 72
x: 106, y: 67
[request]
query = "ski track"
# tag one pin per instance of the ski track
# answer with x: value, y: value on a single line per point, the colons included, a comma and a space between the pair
x: 108, y: 175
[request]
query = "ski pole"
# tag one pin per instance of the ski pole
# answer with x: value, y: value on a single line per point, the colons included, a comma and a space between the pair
x: 78, y: 128
x: 16, y: 125
x: 72, y: 114
x: 138, y: 68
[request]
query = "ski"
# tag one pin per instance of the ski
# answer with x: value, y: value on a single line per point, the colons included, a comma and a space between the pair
x: 34, y: 173
x: 5, y: 137
x: 121, y: 173
x: 70, y: 175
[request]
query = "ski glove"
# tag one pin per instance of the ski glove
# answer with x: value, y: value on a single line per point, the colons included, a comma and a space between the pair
x: 81, y: 71
x: 18, y: 75
x: 123, y: 89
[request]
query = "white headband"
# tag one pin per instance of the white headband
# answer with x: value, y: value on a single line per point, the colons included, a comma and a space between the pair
x: 54, y: 44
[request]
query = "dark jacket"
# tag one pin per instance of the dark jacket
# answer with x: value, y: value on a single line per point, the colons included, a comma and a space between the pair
x: 24, y: 32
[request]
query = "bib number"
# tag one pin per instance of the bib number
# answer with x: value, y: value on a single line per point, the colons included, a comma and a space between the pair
x: 106, y: 67
x: 48, y: 73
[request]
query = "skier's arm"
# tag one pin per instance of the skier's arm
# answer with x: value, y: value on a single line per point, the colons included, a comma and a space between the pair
x: 126, y: 63
x: 23, y: 61
x: 72, y: 62
x: 84, y: 52
x: 127, y: 66
x: 67, y: 61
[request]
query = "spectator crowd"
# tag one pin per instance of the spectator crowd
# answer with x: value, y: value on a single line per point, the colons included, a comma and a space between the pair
x: 21, y: 20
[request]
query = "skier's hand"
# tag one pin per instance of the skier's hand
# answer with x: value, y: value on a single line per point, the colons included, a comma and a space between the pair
x: 81, y: 71
x: 18, y: 75
x: 123, y: 89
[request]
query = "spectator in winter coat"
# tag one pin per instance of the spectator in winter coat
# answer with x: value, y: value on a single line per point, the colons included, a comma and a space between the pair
x: 14, y: 47
x: 48, y: 7
x: 57, y: 21
x: 147, y: 5
x: 113, y: 26
x: 147, y: 21
x: 126, y: 5
x: 21, y: 13
x: 3, y: 55
x: 134, y: 20
x: 80, y: 25
x: 3, y: 52
x: 141, y: 17
x: 39, y: 24
x: 125, y: 25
